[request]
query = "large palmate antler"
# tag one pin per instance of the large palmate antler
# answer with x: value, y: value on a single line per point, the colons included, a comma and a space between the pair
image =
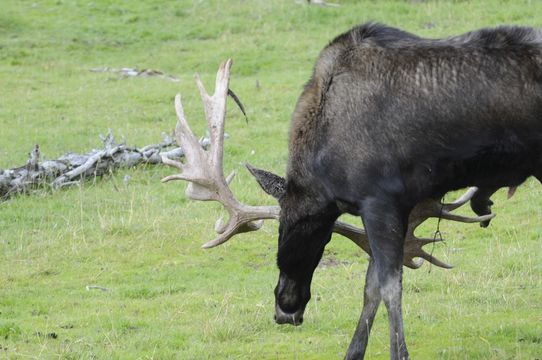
x: 413, y: 247
x: 203, y: 169
x: 204, y: 172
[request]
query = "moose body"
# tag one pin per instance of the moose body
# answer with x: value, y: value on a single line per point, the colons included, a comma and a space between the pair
x: 389, y: 120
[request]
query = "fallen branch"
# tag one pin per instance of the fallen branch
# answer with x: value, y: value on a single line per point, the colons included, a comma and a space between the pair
x: 319, y: 3
x: 71, y: 168
x: 132, y: 72
x: 96, y: 287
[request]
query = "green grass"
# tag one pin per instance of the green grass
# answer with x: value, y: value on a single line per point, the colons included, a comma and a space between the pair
x: 167, y: 297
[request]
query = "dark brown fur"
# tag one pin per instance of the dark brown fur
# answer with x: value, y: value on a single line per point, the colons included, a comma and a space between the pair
x: 388, y: 120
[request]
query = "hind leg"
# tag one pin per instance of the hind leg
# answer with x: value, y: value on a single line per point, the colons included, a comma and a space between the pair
x: 481, y: 202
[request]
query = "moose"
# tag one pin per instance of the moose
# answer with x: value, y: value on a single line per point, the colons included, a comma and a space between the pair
x: 387, y: 125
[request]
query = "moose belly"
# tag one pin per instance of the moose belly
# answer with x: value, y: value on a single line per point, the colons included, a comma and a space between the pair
x: 504, y: 163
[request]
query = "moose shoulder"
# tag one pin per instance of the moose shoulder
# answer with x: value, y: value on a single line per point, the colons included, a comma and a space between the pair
x: 389, y: 120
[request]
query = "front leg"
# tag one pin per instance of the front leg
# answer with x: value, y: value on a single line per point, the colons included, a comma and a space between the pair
x: 386, y: 222
x: 371, y: 301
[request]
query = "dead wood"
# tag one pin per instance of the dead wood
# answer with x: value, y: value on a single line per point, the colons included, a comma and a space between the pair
x: 72, y: 168
x: 133, y: 72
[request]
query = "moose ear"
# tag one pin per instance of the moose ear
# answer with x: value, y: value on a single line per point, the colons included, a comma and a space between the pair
x: 272, y: 184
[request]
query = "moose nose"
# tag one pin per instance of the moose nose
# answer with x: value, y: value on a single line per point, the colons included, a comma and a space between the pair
x: 282, y: 317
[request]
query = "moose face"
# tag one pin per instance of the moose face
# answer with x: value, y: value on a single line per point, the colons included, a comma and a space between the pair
x: 292, y: 292
x: 302, y: 239
x: 306, y: 224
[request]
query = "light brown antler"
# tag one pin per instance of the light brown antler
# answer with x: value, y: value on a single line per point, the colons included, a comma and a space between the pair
x: 203, y: 169
x: 413, y: 247
x: 204, y: 172
x: 432, y: 208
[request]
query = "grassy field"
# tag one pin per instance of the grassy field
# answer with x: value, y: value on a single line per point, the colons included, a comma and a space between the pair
x: 167, y: 298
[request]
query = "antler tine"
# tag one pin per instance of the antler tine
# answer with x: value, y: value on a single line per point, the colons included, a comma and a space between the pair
x: 183, y: 133
x: 461, y: 200
x: 228, y: 231
x: 412, y: 263
x: 414, y: 249
x: 215, y: 112
x: 192, y: 170
x: 433, y: 260
x: 466, y: 219
x: 204, y: 170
